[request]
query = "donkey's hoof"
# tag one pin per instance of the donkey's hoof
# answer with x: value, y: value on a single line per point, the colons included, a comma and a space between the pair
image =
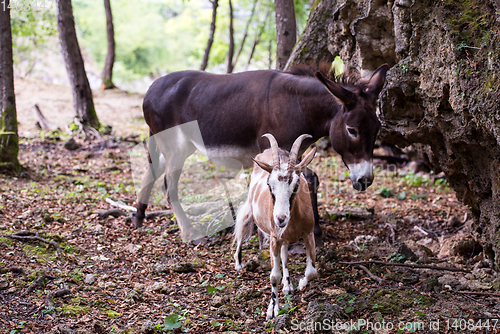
x: 137, y: 221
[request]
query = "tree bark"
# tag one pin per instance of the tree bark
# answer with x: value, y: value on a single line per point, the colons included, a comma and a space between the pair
x: 230, y: 51
x: 107, y: 73
x: 286, y: 31
x: 215, y: 4
x: 82, y: 94
x: 245, y: 34
x: 9, y: 140
x: 442, y: 92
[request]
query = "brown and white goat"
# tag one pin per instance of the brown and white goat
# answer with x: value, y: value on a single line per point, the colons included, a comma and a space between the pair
x: 280, y: 205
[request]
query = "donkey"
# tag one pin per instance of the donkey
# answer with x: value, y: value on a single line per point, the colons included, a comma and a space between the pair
x: 234, y: 111
x: 279, y: 204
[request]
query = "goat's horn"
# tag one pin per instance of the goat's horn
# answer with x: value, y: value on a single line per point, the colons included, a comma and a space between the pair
x: 294, y: 152
x: 274, y: 150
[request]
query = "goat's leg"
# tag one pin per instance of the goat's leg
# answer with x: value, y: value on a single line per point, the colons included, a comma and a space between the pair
x: 287, y: 284
x: 244, y: 220
x: 311, y: 272
x: 155, y: 168
x: 313, y: 185
x: 273, y: 308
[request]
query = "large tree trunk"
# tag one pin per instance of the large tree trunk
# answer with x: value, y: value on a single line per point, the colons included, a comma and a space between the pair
x: 443, y: 89
x: 107, y: 73
x: 230, y: 51
x: 215, y: 4
x: 286, y: 31
x: 9, y: 140
x: 82, y: 95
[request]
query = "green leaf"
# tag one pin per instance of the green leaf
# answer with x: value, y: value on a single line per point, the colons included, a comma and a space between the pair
x: 215, y: 323
x: 172, y: 322
x: 211, y: 289
x: 349, y: 309
x: 402, y: 196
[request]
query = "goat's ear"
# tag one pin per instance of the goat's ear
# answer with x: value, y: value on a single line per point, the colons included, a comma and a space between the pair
x: 377, y: 80
x: 347, y: 97
x: 265, y: 166
x: 306, y: 161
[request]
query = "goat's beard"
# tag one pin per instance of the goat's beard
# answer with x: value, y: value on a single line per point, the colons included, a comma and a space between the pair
x: 280, y: 231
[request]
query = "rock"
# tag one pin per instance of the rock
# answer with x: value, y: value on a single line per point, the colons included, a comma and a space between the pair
x: 449, y: 280
x: 148, y: 327
x: 317, y: 313
x: 4, y: 284
x: 89, y: 279
x: 134, y: 297
x: 157, y: 287
x: 71, y: 145
x: 282, y: 321
x: 227, y: 310
x: 161, y: 268
x: 138, y: 286
x: 107, y: 285
x: 431, y: 285
x: 251, y: 265
x: 423, y: 253
x: 407, y: 252
x: 183, y: 267
x: 246, y: 293
x: 462, y: 244
x: 218, y: 301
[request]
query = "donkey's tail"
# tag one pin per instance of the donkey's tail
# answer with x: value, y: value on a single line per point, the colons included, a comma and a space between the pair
x: 244, y: 223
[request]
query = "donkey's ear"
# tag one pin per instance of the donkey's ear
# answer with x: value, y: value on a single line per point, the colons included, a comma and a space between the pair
x: 377, y: 80
x: 306, y: 161
x: 344, y: 95
x: 265, y: 166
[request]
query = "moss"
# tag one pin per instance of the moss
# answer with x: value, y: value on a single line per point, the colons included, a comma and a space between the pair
x: 73, y: 310
x: 41, y: 253
x: 110, y: 313
x: 6, y: 241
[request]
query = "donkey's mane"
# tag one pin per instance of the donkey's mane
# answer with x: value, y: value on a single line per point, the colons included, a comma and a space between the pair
x: 328, y: 71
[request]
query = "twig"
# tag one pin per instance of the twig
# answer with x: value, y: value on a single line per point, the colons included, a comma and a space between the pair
x: 415, y: 266
x: 473, y: 299
x: 393, y: 234
x: 418, y: 228
x: 37, y: 283
x: 32, y: 236
x: 103, y: 214
x: 49, y: 300
x: 120, y: 205
x: 372, y: 276
x: 491, y: 294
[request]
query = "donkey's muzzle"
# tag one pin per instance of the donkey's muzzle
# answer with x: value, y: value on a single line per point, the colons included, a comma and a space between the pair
x: 362, y: 184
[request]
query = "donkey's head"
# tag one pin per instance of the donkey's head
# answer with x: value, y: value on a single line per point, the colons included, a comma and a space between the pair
x: 354, y: 130
x: 284, y: 177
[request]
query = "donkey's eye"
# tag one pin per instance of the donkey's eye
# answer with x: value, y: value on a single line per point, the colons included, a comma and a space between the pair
x: 352, y: 131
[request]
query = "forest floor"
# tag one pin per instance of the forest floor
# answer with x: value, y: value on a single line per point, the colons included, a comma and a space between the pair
x: 66, y: 269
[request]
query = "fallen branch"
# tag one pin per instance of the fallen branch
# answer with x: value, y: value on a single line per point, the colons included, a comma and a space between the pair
x: 103, y: 214
x: 49, y: 300
x: 491, y: 294
x: 393, y: 234
x: 121, y: 205
x: 372, y: 276
x: 32, y: 236
x: 42, y: 122
x: 414, y: 266
x: 37, y: 283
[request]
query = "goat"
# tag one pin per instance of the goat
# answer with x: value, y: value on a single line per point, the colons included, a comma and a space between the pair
x: 280, y: 205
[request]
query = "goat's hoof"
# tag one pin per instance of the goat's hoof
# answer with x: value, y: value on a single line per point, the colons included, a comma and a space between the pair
x: 302, y: 283
x: 288, y: 291
x: 238, y: 267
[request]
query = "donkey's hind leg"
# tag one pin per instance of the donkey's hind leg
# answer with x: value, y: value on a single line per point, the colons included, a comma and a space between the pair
x: 155, y: 168
x: 311, y: 272
x: 313, y: 185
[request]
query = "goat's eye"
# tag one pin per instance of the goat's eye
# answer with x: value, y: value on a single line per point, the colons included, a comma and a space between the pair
x: 352, y: 131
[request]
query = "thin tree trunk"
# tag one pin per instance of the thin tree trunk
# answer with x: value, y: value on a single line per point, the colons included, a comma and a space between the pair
x: 286, y: 31
x: 230, y: 52
x: 82, y: 95
x: 107, y: 73
x: 9, y: 140
x: 256, y: 38
x: 245, y: 33
x: 215, y: 4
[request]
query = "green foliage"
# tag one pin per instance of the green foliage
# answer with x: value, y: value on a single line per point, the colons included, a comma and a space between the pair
x: 396, y: 257
x: 385, y: 191
x: 172, y: 322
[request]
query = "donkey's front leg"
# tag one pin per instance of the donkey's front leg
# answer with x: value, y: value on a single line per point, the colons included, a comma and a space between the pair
x: 273, y: 308
x: 311, y: 272
x: 287, y: 284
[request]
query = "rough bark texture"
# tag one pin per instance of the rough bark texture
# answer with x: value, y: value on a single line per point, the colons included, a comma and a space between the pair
x: 230, y: 51
x: 107, y: 73
x: 9, y: 140
x: 286, y: 31
x: 443, y: 89
x: 82, y: 95
x: 204, y: 63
